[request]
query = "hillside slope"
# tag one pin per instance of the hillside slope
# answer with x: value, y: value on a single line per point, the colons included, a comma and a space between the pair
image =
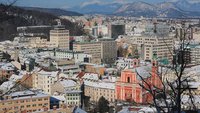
x: 54, y: 11
x: 13, y: 17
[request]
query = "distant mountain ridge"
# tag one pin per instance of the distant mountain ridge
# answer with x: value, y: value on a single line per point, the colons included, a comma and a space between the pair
x: 178, y: 9
x: 96, y: 8
x: 54, y: 11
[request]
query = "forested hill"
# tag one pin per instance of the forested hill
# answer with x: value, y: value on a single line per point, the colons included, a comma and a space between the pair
x: 54, y: 11
x: 11, y: 17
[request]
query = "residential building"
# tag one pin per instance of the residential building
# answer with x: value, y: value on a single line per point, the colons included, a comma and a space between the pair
x: 69, y: 89
x: 194, y: 54
x: 38, y: 42
x: 6, y: 70
x: 124, y: 63
x: 150, y: 44
x: 70, y: 70
x: 24, y: 101
x: 78, y: 56
x: 97, y: 89
x: 44, y: 79
x: 100, y: 31
x: 93, y: 68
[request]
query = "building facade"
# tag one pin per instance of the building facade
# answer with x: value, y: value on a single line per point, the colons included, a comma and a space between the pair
x: 115, y: 30
x: 60, y: 37
x: 78, y: 56
x: 44, y: 79
x: 70, y: 89
x: 95, y: 90
x: 24, y: 102
x: 127, y: 88
x: 109, y: 50
x: 91, y: 48
x: 103, y: 51
x: 148, y: 45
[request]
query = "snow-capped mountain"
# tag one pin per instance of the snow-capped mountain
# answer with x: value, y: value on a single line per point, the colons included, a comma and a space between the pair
x: 176, y: 9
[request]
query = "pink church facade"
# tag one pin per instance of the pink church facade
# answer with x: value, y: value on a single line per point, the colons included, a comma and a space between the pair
x: 128, y: 89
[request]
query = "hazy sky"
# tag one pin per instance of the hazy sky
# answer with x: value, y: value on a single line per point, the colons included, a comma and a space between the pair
x: 69, y: 3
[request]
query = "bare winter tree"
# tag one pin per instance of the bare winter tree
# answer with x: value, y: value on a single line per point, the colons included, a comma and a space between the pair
x: 168, y: 97
x: 5, y: 8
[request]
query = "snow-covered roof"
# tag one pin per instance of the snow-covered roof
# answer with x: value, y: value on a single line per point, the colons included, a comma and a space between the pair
x: 78, y: 110
x: 91, y: 76
x: 103, y: 85
x: 187, y: 100
x: 109, y: 79
x: 46, y: 73
x: 14, y: 77
x: 62, y: 98
x: 147, y: 110
x: 8, y: 66
x: 7, y: 85
x: 27, y: 94
x: 68, y: 83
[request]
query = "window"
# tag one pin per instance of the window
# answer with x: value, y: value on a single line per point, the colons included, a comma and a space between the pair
x: 39, y: 99
x: 39, y: 104
x: 128, y: 79
x: 34, y: 105
x: 16, y: 107
x: 22, y: 101
x: 28, y: 106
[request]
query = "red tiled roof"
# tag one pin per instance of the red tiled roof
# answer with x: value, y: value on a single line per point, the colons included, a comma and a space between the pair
x: 80, y: 75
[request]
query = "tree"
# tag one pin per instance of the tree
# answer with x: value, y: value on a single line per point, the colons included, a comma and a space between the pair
x: 168, y: 97
x: 103, y: 105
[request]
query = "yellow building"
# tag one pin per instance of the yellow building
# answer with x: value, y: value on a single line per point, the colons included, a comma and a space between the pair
x: 60, y: 37
x: 23, y: 102
x: 91, y: 48
x: 38, y: 42
x: 97, y: 89
x: 94, y: 68
x: 104, y: 50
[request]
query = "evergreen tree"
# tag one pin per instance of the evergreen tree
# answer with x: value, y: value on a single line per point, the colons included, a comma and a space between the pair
x: 103, y: 105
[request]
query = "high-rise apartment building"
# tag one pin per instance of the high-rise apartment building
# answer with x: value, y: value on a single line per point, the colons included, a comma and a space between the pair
x: 60, y: 37
x: 104, y: 50
x: 115, y: 30
x: 150, y: 44
x: 109, y: 50
x: 92, y: 48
